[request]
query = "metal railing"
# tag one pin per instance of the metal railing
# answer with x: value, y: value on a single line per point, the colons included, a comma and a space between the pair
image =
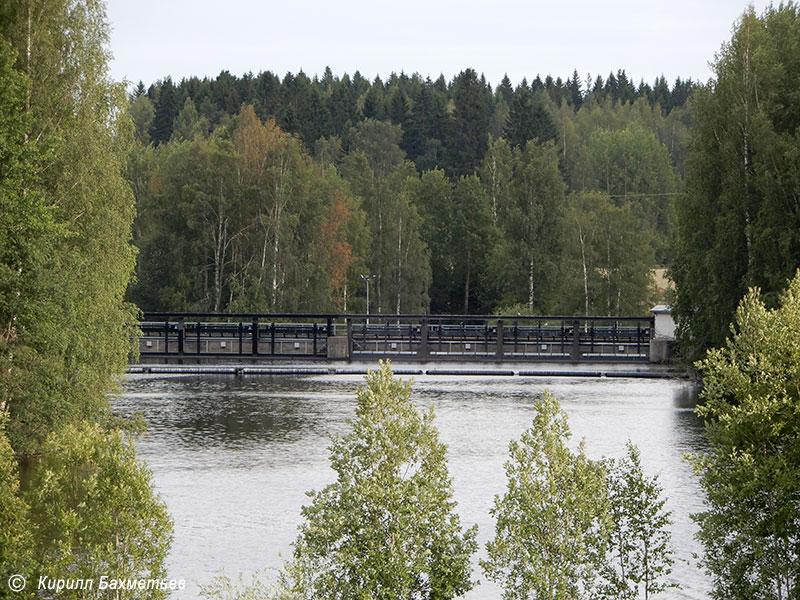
x: 249, y: 336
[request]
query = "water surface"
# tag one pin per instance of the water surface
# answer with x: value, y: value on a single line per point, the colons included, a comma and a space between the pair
x: 234, y: 457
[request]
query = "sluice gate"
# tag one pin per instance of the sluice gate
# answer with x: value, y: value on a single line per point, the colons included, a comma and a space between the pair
x: 252, y: 338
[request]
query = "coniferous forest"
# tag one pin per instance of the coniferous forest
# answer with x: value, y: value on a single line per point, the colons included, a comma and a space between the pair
x: 263, y: 194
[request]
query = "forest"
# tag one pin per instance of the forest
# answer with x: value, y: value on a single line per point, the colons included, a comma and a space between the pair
x: 265, y: 195
x: 261, y: 194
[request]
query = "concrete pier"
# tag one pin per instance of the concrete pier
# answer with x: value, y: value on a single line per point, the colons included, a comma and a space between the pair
x: 663, y: 345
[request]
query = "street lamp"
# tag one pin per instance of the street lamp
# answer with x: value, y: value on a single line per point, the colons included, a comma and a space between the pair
x: 368, y: 278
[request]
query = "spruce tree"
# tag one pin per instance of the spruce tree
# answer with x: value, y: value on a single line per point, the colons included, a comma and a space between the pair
x: 505, y: 90
x: 416, y: 131
x: 187, y: 124
x: 267, y: 95
x: 520, y: 127
x: 469, y: 134
x: 341, y: 109
x: 166, y: 109
x: 398, y: 108
x: 575, y: 91
x: 225, y: 93
x: 661, y: 94
x: 543, y: 127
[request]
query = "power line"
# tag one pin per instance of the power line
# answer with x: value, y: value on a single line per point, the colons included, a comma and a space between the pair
x: 644, y: 195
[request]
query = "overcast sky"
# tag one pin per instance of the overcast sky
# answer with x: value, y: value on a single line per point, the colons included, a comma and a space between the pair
x: 151, y: 39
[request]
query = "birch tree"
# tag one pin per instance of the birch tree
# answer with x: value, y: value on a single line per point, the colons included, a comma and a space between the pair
x: 71, y: 327
x: 552, y: 521
x: 750, y: 527
x: 94, y: 511
x: 387, y: 527
x: 738, y: 223
x: 640, y: 555
x: 524, y: 265
x: 607, y: 258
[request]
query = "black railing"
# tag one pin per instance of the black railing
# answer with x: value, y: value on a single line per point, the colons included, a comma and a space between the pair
x: 248, y: 336
x: 230, y: 335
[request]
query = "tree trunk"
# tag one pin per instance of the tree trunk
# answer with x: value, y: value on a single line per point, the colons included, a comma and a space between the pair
x: 280, y: 193
x: 582, y: 239
x: 746, y: 164
x: 530, y: 284
x: 379, y: 279
x: 646, y: 570
x: 220, y: 248
x: 466, y: 282
x: 399, y: 261
x: 264, y: 249
x: 608, y: 276
x: 493, y: 170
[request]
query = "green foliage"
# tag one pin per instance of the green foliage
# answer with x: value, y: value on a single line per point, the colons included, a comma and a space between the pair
x: 141, y: 111
x: 457, y: 228
x: 94, y: 511
x: 386, y: 528
x: 201, y: 177
x: 473, y: 237
x: 65, y: 333
x: 15, y: 534
x: 61, y: 300
x: 496, y: 173
x: 519, y: 309
x: 379, y: 142
x: 632, y: 164
x: 630, y: 161
x: 188, y: 125
x: 225, y: 588
x: 27, y: 231
x: 520, y: 126
x: 552, y: 521
x: 569, y: 527
x: 426, y: 238
x: 425, y: 131
x: 611, y: 133
x: 640, y: 555
x: 523, y: 266
x: 738, y: 223
x: 607, y: 258
x: 244, y: 221
x: 432, y: 196
x: 751, y: 526
x: 328, y: 151
x: 469, y: 129
x: 166, y: 109
x: 398, y: 257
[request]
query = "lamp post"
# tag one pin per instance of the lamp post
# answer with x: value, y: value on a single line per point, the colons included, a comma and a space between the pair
x: 368, y: 278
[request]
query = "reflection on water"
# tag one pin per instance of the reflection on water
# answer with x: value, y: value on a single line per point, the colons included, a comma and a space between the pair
x: 233, y: 458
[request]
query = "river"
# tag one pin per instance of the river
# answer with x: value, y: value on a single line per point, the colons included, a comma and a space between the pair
x: 233, y: 457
